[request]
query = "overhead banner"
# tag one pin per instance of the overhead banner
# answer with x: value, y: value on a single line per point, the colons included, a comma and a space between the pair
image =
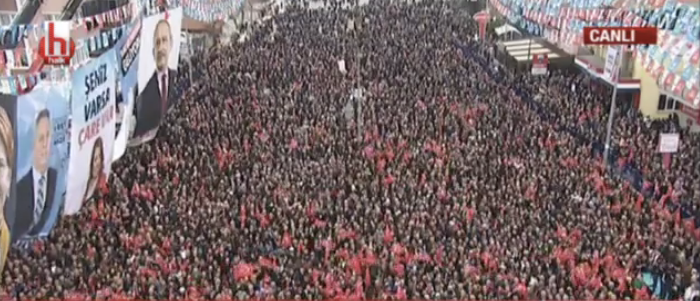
x: 42, y: 160
x: 540, y: 63
x: 127, y: 50
x: 612, y: 63
x: 8, y: 150
x: 92, y: 129
x: 157, y: 69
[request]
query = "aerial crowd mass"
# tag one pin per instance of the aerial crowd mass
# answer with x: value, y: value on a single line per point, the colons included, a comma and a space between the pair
x: 449, y: 179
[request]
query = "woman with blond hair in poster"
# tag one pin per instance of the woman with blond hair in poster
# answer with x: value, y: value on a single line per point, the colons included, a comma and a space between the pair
x: 7, y: 166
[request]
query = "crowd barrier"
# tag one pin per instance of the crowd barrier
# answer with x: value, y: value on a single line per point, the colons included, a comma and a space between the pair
x: 628, y: 171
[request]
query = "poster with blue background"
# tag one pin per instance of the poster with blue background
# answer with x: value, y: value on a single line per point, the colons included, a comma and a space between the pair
x: 127, y: 51
x: 93, y: 118
x: 42, y: 159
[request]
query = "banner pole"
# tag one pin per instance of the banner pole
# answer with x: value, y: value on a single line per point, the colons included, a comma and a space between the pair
x: 611, y: 115
x: 190, y: 52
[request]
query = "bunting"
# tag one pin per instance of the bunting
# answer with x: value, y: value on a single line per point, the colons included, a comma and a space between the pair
x: 34, y: 32
x: 208, y: 10
x: 673, y: 62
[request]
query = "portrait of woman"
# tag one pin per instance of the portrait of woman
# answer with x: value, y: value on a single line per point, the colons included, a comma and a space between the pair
x: 96, y: 169
x: 7, y: 166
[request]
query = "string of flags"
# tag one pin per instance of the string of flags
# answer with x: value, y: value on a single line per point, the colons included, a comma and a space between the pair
x: 14, y: 35
x: 674, y: 62
x: 18, y: 39
x: 209, y: 10
x: 18, y: 53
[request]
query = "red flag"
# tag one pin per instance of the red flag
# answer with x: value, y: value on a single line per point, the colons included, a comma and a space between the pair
x: 642, y: 294
x: 595, y: 283
x: 243, y: 270
x: 293, y: 144
x: 689, y: 224
x: 311, y: 211
x: 243, y: 214
x: 135, y: 191
x: 286, y: 240
x: 389, y: 180
x: 664, y: 199
x: 368, y: 278
x: 438, y: 255
x: 638, y: 204
x: 343, y: 234
x: 397, y: 249
x: 359, y: 292
x: 315, y: 274
x: 370, y: 258
x: 423, y: 257
x: 327, y: 246
x: 103, y: 184
x: 561, y: 233
x: 369, y: 152
x: 399, y: 269
x: 470, y: 270
x: 356, y: 264
x: 470, y: 214
x: 318, y: 223
x: 401, y: 294
x: 522, y: 290
x: 575, y: 237
x: 388, y: 235
x: 267, y: 263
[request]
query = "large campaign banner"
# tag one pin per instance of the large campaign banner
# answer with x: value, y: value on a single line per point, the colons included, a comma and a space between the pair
x: 92, y: 129
x: 127, y: 50
x: 42, y: 160
x: 159, y: 53
x: 8, y: 157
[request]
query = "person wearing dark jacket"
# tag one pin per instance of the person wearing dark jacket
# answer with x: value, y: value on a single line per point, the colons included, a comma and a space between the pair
x: 36, y: 189
x: 155, y: 99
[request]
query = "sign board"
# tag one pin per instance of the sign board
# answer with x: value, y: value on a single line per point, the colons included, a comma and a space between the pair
x: 540, y: 62
x: 611, y: 63
x: 341, y: 66
x: 668, y: 143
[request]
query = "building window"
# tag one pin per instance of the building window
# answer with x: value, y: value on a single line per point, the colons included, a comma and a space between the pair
x: 52, y: 17
x: 6, y: 19
x: 667, y: 103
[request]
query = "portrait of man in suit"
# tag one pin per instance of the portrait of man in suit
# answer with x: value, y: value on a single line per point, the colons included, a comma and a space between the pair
x: 36, y: 188
x: 156, y: 97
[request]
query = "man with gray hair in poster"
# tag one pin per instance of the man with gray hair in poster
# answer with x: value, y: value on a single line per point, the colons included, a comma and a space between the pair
x: 156, y: 97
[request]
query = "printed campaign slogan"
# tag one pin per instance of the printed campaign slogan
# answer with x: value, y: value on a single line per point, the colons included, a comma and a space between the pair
x: 42, y: 160
x: 8, y: 105
x: 92, y: 131
x: 127, y: 49
x: 157, y: 70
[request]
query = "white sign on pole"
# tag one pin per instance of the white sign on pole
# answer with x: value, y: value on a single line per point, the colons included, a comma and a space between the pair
x: 540, y: 62
x: 668, y: 143
x: 611, y: 63
x: 341, y: 66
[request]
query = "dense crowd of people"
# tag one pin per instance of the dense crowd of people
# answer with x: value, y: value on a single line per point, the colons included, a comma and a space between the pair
x: 418, y: 172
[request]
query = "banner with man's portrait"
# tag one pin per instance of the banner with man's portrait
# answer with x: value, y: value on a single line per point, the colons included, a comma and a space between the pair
x: 158, y: 60
x: 42, y: 160
x: 93, y: 109
x: 127, y: 50
x: 8, y: 157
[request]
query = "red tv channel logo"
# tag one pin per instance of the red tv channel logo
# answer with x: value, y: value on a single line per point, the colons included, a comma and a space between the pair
x: 57, y: 48
x: 620, y: 35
